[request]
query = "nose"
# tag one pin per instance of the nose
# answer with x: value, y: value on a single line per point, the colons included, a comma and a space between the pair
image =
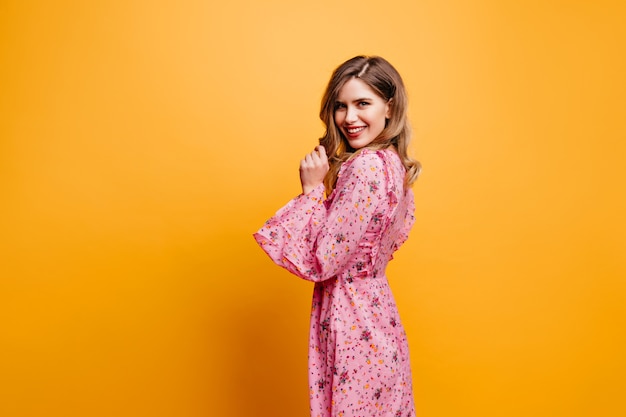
x: 351, y: 114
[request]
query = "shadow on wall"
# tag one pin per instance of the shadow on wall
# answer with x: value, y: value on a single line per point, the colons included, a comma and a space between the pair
x: 263, y: 332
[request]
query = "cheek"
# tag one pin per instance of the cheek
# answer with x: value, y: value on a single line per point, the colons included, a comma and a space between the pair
x: 381, y: 118
x: 338, y: 119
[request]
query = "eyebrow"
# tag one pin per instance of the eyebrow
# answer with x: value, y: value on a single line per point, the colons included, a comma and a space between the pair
x: 357, y: 100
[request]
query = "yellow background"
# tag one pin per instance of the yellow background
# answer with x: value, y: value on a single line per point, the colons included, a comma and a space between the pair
x: 143, y: 142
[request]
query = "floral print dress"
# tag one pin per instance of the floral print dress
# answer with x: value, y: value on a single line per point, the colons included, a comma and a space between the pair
x: 358, y: 352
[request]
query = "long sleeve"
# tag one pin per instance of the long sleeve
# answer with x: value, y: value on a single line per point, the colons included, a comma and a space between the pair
x: 315, y: 239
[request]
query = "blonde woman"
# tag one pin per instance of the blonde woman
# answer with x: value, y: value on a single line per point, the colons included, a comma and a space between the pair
x: 358, y: 353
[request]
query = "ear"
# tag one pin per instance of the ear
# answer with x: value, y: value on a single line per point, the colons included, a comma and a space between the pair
x: 388, y: 108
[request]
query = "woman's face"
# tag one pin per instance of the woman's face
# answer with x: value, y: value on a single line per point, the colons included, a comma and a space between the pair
x: 360, y: 113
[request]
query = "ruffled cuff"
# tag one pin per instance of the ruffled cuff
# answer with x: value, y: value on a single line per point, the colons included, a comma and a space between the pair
x: 289, y: 236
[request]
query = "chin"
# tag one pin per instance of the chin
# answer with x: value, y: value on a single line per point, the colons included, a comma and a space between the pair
x: 359, y: 144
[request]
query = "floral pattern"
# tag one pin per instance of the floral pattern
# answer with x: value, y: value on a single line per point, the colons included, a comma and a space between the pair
x: 358, y: 352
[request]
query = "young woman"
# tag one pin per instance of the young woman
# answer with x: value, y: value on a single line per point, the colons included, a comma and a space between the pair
x: 358, y: 353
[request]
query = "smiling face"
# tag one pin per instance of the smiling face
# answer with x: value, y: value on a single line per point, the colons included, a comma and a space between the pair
x: 360, y: 113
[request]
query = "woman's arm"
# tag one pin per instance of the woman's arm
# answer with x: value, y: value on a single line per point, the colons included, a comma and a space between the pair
x: 316, y: 241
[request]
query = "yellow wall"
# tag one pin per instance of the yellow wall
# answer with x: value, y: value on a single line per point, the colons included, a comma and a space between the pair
x: 142, y: 142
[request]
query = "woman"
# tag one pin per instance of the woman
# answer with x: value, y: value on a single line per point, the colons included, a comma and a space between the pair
x: 358, y: 353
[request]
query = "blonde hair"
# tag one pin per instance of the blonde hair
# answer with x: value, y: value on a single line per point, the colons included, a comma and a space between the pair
x: 385, y: 81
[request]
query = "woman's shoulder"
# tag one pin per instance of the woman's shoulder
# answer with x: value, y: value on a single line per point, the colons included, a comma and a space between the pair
x: 375, y: 158
x: 364, y: 162
x: 379, y: 165
x: 369, y: 164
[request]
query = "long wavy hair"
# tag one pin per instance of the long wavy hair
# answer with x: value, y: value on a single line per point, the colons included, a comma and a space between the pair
x: 385, y: 81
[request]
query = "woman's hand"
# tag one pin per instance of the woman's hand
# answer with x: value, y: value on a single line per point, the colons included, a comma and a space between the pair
x: 313, y: 169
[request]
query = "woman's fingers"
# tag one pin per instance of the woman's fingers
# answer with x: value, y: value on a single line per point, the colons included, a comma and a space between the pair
x: 321, y: 152
x: 313, y: 168
x: 317, y: 158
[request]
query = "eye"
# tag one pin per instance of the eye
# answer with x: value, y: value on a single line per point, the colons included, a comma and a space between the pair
x: 339, y: 106
x: 364, y: 103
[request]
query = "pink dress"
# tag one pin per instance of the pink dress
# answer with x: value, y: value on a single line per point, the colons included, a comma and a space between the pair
x: 358, y: 352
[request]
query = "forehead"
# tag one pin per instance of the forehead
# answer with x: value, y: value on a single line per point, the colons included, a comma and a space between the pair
x: 355, y: 89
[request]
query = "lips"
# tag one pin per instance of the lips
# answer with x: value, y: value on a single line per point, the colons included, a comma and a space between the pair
x: 355, y: 130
